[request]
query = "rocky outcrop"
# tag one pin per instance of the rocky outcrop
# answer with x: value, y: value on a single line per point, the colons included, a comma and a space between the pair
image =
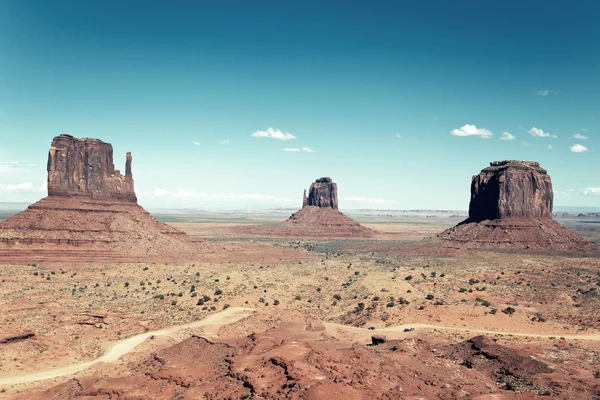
x: 84, y: 167
x: 90, y: 216
x: 511, y: 207
x: 320, y: 216
x: 511, y: 189
x: 322, y: 193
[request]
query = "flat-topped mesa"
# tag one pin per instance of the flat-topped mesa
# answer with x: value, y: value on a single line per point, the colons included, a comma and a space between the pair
x: 322, y: 193
x: 511, y: 189
x: 84, y: 167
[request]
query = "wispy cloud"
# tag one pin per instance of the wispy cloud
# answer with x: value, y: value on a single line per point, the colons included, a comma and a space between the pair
x: 20, y: 186
x: 160, y: 192
x: 375, y: 200
x: 225, y: 142
x: 579, y: 136
x: 297, y: 149
x: 584, y: 130
x: 549, y: 147
x: 196, y: 143
x: 542, y: 92
x: 537, y: 132
x: 578, y: 148
x: 591, y: 191
x: 183, y: 194
x: 507, y: 136
x: 399, y: 136
x: 472, y: 130
x: 273, y: 134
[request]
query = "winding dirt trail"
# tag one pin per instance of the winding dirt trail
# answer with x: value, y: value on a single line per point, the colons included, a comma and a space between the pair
x: 331, y: 328
x: 212, y: 323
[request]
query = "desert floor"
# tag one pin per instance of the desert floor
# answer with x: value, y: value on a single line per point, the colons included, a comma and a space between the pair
x: 309, y: 291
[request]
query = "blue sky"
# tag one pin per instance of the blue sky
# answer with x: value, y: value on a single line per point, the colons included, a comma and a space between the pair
x: 374, y: 89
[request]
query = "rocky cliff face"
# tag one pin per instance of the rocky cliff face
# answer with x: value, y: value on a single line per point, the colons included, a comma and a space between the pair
x: 511, y: 189
x: 84, y: 167
x: 323, y: 193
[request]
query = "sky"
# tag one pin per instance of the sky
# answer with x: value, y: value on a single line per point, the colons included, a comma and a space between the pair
x: 242, y: 104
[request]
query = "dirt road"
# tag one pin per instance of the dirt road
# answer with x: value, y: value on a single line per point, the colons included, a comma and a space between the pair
x: 118, y: 349
x: 398, y: 330
x: 213, y: 323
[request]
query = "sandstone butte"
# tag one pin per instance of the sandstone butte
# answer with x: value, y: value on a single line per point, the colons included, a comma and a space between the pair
x: 90, y: 214
x: 511, y: 207
x: 320, y: 216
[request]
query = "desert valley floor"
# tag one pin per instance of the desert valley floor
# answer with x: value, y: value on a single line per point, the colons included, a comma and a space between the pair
x: 263, y: 316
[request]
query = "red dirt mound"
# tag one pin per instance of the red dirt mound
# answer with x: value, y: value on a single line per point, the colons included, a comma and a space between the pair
x: 60, y: 228
x: 292, y: 362
x: 516, y: 233
x: 312, y: 222
x: 322, y: 221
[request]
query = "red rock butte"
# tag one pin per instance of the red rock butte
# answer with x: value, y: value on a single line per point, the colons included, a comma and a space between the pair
x: 91, y: 214
x: 511, y: 207
x: 84, y: 167
x: 320, y: 216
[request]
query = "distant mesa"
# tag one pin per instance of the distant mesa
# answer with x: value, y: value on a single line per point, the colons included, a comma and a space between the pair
x: 511, y: 189
x: 511, y: 207
x: 320, y: 216
x: 91, y: 213
x: 322, y: 193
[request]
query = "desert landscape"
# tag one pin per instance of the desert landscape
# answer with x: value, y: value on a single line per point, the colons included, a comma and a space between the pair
x: 299, y: 200
x: 101, y: 300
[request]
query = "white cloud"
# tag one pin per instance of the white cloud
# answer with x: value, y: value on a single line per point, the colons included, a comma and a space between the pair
x: 561, y: 193
x: 160, y: 192
x: 507, y: 136
x: 273, y: 134
x: 43, y: 186
x: 183, y: 195
x: 472, y: 130
x: 226, y: 142
x: 435, y: 117
x: 591, y: 191
x: 399, y: 136
x: 296, y: 149
x: 196, y: 143
x: 540, y: 133
x: 579, y: 136
x: 543, y: 92
x: 375, y: 200
x: 578, y: 148
x: 549, y: 147
x: 20, y: 186
x: 584, y: 130
x: 9, y: 166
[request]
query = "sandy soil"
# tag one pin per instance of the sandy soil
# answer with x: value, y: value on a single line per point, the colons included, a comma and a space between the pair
x: 322, y: 293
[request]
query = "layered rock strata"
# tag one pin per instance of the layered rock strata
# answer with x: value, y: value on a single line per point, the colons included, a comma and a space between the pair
x: 511, y: 207
x: 91, y: 213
